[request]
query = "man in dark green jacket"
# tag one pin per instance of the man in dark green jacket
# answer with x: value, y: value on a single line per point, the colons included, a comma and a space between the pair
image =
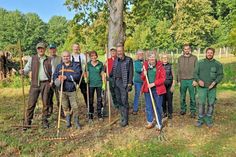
x: 208, y: 73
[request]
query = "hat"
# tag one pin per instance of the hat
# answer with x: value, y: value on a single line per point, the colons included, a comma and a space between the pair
x: 41, y: 44
x: 112, y: 48
x: 52, y: 46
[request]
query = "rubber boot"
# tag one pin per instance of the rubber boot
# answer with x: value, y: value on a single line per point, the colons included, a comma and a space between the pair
x: 77, y: 125
x: 68, y: 121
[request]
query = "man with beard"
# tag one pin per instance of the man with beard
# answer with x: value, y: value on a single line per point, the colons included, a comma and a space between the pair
x: 208, y: 73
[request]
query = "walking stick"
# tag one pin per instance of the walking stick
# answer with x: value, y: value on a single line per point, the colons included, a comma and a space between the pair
x: 22, y: 82
x: 152, y: 99
x: 87, y: 85
x: 108, y: 89
x: 59, y: 112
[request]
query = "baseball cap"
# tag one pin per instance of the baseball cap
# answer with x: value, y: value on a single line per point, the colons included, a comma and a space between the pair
x: 113, y: 48
x: 52, y: 46
x: 41, y: 44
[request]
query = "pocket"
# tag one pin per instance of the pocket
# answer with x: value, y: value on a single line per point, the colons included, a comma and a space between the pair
x: 213, y: 72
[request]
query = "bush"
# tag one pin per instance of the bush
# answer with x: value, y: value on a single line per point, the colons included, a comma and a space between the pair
x: 14, y: 82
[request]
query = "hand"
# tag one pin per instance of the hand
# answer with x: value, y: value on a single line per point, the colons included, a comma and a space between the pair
x: 21, y: 71
x: 212, y: 85
x: 179, y: 84
x: 194, y: 84
x: 86, y: 80
x: 85, y: 75
x: 151, y: 85
x: 201, y: 83
x: 172, y: 88
x: 104, y: 86
x: 145, y: 72
x: 129, y: 88
x: 61, y: 78
x: 51, y: 83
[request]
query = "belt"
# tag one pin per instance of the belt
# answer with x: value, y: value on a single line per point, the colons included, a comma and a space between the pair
x: 118, y: 78
x: 44, y: 81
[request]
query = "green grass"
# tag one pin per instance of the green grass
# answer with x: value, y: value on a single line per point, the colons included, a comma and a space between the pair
x: 183, y: 139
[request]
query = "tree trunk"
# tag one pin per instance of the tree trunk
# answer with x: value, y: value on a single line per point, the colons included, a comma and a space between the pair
x: 116, y: 24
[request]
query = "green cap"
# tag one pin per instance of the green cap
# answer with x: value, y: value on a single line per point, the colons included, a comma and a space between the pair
x: 113, y: 48
x: 52, y: 46
x: 41, y: 44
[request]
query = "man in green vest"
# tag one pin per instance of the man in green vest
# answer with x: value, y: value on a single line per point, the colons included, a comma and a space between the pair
x: 208, y: 73
x: 41, y: 68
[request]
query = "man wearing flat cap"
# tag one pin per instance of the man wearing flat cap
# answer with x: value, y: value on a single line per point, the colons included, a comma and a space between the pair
x: 41, y: 68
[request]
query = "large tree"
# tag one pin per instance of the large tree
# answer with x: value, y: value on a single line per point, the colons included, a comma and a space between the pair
x: 57, y: 30
x: 88, y: 11
x: 193, y: 23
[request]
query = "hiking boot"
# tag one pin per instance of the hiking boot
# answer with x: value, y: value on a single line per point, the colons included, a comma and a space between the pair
x: 68, y: 121
x: 182, y: 113
x: 199, y: 124
x: 192, y: 115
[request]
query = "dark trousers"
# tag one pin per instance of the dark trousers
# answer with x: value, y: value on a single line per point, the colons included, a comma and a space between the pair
x: 122, y: 100
x: 113, y: 94
x: 167, y: 104
x: 83, y: 89
x: 43, y: 88
x: 99, y: 101
x: 53, y: 90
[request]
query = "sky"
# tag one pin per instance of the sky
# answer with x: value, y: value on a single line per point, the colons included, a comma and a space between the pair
x: 44, y: 8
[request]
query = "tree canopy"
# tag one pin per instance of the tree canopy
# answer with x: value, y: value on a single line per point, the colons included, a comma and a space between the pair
x: 147, y: 24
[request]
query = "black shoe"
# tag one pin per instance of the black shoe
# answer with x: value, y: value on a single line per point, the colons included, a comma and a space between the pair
x: 182, y: 113
x: 45, y: 125
x: 26, y: 126
x: 192, y: 115
x: 170, y: 116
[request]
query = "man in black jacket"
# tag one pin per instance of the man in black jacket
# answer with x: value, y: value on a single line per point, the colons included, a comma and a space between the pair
x: 122, y: 75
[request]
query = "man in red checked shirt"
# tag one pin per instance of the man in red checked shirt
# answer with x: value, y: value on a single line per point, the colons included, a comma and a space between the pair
x: 110, y: 60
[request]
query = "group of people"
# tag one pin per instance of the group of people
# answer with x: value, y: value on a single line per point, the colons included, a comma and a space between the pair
x: 155, y: 78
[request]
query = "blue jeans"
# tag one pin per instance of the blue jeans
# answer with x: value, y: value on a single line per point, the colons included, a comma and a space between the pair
x: 149, y: 109
x: 137, y: 88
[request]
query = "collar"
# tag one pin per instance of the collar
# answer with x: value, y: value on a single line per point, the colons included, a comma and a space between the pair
x: 42, y: 57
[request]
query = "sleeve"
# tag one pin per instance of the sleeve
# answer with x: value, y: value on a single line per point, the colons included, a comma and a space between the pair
x: 56, y: 73
x: 220, y: 74
x: 131, y: 71
x: 27, y: 67
x: 74, y: 77
x: 196, y: 72
x: 160, y: 81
